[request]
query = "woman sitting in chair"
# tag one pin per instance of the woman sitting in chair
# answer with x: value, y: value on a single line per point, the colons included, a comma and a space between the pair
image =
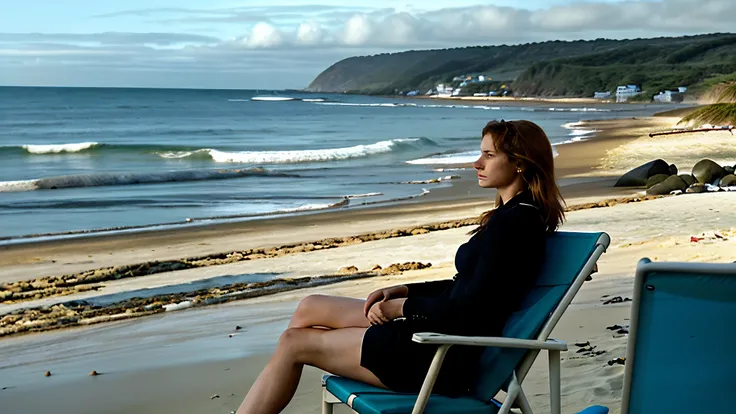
x: 371, y: 340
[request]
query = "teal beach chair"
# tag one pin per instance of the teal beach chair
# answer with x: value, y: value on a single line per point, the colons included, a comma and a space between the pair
x: 680, y: 356
x: 570, y: 258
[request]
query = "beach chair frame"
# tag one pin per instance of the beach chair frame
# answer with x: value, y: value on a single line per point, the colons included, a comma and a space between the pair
x: 643, y: 269
x: 542, y: 342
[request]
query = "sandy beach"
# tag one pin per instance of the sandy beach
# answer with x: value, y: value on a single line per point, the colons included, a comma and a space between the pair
x: 197, y: 360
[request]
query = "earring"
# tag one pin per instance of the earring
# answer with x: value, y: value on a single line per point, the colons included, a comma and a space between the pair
x: 518, y: 170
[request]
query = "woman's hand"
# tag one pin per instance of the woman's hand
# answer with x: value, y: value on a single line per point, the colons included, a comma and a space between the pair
x: 385, y: 311
x: 383, y: 295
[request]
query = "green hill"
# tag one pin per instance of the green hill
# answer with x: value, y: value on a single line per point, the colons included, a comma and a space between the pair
x: 554, y: 68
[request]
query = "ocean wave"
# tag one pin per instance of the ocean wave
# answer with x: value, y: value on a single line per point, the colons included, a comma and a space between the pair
x: 59, y: 148
x: 302, y: 156
x: 455, y: 158
x: 112, y: 179
x: 582, y: 132
x: 363, y: 195
x: 272, y: 98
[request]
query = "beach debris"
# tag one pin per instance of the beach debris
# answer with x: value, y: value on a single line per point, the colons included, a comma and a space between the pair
x: 47, y: 374
x: 586, y: 349
x: 619, y: 361
x: 616, y: 299
x: 348, y: 269
x: 178, y: 306
x: 582, y: 344
x: 618, y: 327
x: 93, y: 374
x: 238, y: 327
x: 214, y: 396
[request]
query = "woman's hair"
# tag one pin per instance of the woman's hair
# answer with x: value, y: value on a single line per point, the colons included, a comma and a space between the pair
x: 526, y: 144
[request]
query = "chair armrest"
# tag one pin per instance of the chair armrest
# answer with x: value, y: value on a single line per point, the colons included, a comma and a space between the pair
x: 440, y: 339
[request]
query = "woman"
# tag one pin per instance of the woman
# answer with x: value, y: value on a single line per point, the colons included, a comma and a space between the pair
x: 370, y: 340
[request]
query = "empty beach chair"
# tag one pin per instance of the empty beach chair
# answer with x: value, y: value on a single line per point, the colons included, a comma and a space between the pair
x: 680, y: 356
x: 570, y: 259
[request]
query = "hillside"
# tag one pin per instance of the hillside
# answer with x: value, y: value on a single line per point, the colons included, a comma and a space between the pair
x: 554, y: 68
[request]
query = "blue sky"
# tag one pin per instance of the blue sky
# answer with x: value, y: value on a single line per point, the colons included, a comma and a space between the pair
x: 284, y: 44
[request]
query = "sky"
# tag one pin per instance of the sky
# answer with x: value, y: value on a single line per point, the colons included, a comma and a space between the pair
x: 284, y: 44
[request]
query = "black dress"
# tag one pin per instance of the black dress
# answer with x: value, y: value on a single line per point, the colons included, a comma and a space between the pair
x: 496, y: 268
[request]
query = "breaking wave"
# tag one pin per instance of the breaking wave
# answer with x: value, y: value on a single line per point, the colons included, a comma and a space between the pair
x: 57, y: 148
x: 112, y: 179
x: 303, y: 156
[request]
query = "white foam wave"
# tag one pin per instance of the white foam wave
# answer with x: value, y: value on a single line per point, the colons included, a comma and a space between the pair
x: 401, y: 105
x: 313, y: 100
x: 272, y: 98
x: 363, y: 195
x: 457, y: 158
x: 238, y: 100
x: 582, y: 132
x: 449, y: 169
x: 316, y: 155
x: 180, y: 154
x: 111, y: 179
x: 573, y: 125
x: 59, y: 148
x: 12, y: 186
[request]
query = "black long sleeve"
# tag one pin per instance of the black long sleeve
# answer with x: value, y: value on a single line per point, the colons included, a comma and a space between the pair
x: 510, y: 253
x: 432, y: 288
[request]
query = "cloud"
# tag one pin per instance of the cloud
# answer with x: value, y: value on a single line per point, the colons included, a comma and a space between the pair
x: 310, y: 33
x: 110, y: 38
x: 264, y: 35
x: 287, y: 46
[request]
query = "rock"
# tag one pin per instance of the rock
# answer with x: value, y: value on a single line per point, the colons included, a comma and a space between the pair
x: 419, y: 231
x: 348, y: 269
x: 376, y: 268
x: 238, y: 327
x: 47, y: 374
x: 214, y: 396
x: 707, y: 171
x: 93, y: 374
x: 727, y: 169
x: 673, y: 169
x: 656, y: 179
x: 688, y: 178
x: 638, y: 176
x: 696, y: 188
x: 670, y: 184
x: 728, y: 181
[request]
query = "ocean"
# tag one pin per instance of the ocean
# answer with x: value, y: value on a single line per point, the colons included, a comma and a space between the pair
x: 78, y: 160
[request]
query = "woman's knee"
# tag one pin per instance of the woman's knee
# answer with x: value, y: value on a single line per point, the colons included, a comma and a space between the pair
x: 305, y: 311
x: 295, y: 344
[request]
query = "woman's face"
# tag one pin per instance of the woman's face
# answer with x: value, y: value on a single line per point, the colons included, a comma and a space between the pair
x: 495, y: 169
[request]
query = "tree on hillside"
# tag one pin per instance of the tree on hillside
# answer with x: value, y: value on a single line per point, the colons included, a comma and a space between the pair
x: 722, y: 112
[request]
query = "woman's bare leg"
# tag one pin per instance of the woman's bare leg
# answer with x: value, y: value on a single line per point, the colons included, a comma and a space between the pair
x: 331, y: 312
x: 336, y: 351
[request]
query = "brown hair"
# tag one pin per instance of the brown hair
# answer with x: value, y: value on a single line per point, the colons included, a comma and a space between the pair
x: 526, y: 144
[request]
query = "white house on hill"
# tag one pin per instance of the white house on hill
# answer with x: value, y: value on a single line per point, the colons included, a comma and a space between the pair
x: 623, y: 93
